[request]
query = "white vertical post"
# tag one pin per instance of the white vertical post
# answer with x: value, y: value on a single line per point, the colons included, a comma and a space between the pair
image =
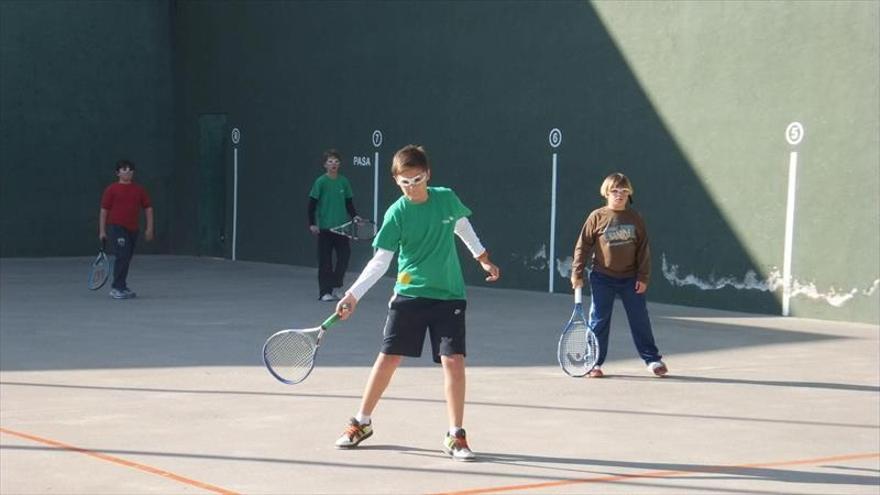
x: 552, y: 257
x: 234, y: 202
x: 555, y: 140
x: 236, y: 137
x: 377, y: 141
x: 789, y: 233
x: 794, y: 134
x: 376, y: 187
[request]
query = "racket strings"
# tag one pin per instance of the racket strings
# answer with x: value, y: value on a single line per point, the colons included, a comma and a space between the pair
x: 364, y: 230
x: 99, y: 273
x: 578, y: 350
x: 290, y: 355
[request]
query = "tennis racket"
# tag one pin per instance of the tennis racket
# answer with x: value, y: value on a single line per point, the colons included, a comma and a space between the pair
x: 100, y: 271
x: 289, y: 355
x: 578, y: 346
x: 359, y: 230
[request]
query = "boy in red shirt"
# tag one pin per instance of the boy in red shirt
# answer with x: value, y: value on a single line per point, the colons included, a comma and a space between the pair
x: 120, y: 205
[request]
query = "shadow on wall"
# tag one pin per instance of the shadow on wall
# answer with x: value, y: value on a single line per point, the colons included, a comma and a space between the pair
x: 481, y: 100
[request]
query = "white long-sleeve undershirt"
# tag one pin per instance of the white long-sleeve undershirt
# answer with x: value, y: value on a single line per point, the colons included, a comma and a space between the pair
x: 465, y: 231
x: 381, y: 260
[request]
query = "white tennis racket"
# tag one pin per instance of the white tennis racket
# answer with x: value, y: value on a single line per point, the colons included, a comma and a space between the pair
x: 360, y: 229
x: 100, y: 269
x: 289, y: 355
x: 578, y: 349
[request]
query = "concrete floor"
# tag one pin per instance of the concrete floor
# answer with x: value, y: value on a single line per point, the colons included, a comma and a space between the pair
x: 166, y: 393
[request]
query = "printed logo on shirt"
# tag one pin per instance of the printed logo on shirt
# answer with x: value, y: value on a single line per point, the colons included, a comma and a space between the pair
x: 121, y: 241
x: 617, y: 235
x: 448, y: 219
x: 404, y: 278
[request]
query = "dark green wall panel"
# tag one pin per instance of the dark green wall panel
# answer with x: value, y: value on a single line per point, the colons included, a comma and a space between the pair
x: 83, y: 84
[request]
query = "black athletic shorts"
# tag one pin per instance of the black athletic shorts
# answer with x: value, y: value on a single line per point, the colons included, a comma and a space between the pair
x: 409, y: 317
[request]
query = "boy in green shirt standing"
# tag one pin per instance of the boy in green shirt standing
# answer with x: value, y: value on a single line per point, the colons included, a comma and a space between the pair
x: 330, y: 205
x: 429, y: 293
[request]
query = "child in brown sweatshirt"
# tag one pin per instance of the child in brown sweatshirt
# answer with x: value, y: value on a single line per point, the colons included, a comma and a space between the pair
x: 615, y: 242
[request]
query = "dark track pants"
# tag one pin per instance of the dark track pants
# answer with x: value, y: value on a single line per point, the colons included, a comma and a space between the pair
x: 123, y: 242
x: 330, y: 277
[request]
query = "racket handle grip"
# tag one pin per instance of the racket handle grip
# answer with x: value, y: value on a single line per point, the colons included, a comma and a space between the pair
x: 330, y: 321
x: 578, y: 296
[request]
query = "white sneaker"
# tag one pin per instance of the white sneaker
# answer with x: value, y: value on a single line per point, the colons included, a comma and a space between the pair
x: 354, y: 434
x: 328, y: 298
x: 658, y: 368
x: 457, y: 447
x: 117, y: 294
x: 338, y: 294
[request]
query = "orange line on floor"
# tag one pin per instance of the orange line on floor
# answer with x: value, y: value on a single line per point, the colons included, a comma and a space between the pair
x: 657, y: 474
x: 117, y: 460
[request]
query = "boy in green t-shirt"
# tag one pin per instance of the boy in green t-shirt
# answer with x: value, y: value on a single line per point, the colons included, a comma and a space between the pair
x: 331, y: 199
x: 429, y: 293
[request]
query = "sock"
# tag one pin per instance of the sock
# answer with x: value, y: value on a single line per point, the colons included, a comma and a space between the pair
x: 454, y: 429
x: 362, y: 418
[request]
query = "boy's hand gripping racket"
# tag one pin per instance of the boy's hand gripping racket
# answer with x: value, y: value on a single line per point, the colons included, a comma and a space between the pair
x: 289, y: 355
x: 578, y: 346
x: 100, y: 270
x: 359, y: 229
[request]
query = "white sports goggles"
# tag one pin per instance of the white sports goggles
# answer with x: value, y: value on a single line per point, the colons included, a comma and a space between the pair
x: 411, y: 181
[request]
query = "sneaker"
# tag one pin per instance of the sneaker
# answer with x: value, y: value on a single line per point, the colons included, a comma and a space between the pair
x: 354, y: 434
x: 327, y: 297
x: 457, y: 447
x: 596, y: 372
x: 117, y: 294
x: 338, y: 294
x: 129, y: 293
x: 658, y: 368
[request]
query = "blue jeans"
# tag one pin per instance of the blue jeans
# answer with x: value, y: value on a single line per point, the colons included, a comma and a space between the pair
x: 604, y: 288
x: 123, y: 242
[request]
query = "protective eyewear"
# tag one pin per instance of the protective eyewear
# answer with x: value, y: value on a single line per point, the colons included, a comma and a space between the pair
x: 411, y: 181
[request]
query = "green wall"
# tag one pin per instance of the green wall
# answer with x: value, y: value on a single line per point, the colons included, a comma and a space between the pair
x: 727, y: 78
x: 82, y: 84
x: 690, y: 99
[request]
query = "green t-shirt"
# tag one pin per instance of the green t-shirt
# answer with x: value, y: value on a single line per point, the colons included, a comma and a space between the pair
x: 427, y: 265
x: 331, y: 195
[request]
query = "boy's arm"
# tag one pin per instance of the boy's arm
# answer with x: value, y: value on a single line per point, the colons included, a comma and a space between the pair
x: 349, y: 207
x: 349, y: 203
x: 489, y: 267
x: 374, y: 270
x: 465, y: 231
x: 582, y: 249
x: 102, y: 224
x: 643, y: 256
x: 313, y: 205
x: 149, y: 233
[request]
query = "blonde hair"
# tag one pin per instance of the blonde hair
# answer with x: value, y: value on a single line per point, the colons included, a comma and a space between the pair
x: 615, y: 181
x: 410, y: 156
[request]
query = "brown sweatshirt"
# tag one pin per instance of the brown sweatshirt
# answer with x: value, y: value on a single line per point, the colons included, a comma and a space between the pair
x: 618, y: 242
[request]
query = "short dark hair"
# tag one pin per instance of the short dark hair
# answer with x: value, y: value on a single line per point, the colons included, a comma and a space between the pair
x: 331, y: 153
x: 410, y: 156
x: 121, y: 164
